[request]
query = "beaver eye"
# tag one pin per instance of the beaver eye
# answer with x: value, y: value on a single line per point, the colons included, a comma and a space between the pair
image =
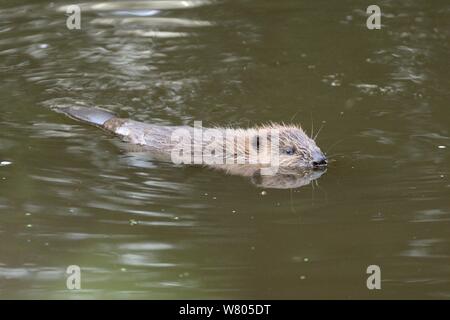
x: 289, y: 151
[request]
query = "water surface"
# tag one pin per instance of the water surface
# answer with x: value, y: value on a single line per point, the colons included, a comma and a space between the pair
x: 70, y: 194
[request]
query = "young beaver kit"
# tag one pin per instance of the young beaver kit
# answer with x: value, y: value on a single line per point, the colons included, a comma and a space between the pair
x: 295, y: 150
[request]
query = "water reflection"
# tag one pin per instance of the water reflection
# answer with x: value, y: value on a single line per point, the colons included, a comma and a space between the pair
x: 286, y: 179
x: 283, y: 178
x: 139, y: 5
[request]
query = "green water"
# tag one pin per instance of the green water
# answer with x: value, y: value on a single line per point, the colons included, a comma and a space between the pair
x: 139, y: 228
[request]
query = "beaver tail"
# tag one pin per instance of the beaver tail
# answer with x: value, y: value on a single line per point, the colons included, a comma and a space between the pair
x: 94, y: 116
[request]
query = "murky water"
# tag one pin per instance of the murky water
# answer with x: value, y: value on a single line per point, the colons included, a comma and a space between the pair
x: 70, y: 194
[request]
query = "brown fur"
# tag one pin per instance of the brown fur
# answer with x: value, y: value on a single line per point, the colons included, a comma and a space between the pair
x: 296, y: 150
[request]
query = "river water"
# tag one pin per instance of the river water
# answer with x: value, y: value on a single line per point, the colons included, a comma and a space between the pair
x: 71, y: 194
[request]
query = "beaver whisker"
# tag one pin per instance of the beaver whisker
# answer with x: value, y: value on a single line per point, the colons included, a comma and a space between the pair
x: 317, y: 134
x: 334, y: 144
x: 334, y: 155
x: 295, y: 114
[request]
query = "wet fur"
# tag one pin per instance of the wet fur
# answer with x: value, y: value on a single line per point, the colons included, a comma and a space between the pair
x: 296, y: 149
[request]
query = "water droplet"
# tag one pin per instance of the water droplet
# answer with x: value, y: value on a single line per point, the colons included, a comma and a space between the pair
x: 263, y: 193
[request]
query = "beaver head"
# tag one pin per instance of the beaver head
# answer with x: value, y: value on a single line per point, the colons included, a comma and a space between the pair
x: 295, y: 148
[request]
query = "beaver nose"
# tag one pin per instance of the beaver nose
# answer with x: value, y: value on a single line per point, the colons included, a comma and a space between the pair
x: 320, y: 162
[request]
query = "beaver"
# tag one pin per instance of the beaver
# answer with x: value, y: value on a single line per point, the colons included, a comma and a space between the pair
x: 294, y: 148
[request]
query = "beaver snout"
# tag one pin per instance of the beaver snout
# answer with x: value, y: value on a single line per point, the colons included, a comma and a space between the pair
x: 320, y: 162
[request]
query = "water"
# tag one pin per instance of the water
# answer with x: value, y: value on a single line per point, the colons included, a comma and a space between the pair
x: 70, y: 194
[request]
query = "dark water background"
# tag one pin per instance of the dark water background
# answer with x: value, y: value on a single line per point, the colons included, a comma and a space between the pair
x: 69, y: 195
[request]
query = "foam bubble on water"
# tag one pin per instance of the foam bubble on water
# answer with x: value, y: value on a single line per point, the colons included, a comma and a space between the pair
x: 5, y: 163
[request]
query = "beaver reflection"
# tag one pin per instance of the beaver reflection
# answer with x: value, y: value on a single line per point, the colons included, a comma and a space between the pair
x: 287, y: 178
x: 284, y: 178
x: 281, y: 178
